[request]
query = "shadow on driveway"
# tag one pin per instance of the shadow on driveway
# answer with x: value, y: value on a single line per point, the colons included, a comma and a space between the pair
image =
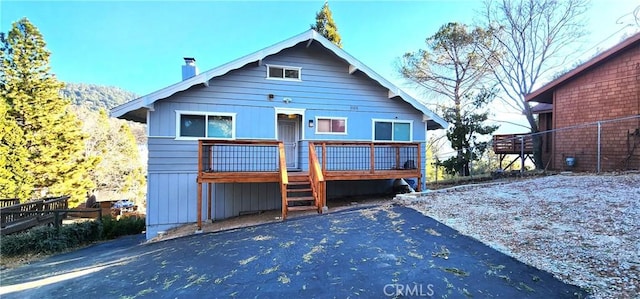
x: 370, y: 253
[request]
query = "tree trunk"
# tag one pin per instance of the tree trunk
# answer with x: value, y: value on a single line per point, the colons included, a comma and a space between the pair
x: 537, y: 139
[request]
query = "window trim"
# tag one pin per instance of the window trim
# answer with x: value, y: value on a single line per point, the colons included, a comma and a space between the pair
x: 317, y: 125
x: 206, y: 128
x: 392, y: 121
x: 284, y: 69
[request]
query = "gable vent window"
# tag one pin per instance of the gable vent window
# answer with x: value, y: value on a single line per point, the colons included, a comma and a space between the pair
x: 279, y: 72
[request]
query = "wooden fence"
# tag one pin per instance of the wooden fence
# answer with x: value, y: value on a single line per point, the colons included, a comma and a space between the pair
x: 19, y: 217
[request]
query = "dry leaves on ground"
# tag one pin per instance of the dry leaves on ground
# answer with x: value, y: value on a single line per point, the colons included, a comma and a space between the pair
x: 585, y: 229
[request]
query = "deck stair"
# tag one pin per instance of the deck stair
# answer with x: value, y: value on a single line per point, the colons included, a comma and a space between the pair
x: 299, y: 193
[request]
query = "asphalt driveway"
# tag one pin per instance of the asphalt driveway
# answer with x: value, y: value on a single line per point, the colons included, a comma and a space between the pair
x: 369, y: 253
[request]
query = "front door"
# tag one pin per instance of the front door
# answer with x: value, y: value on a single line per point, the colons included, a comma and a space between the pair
x: 288, y: 133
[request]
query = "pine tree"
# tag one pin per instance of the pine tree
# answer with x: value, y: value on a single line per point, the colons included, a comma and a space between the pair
x: 326, y: 26
x: 453, y: 68
x: 14, y: 179
x: 52, y: 133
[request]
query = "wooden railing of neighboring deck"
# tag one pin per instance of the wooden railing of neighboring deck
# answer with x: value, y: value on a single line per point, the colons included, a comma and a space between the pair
x: 23, y: 216
x: 318, y: 184
x: 512, y: 144
x: 7, y: 202
x: 284, y: 178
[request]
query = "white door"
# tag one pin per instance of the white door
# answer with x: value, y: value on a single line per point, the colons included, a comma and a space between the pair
x: 288, y: 134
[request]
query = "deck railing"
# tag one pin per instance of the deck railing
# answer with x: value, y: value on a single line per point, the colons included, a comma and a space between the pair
x: 32, y: 211
x: 370, y: 160
x: 238, y: 161
x: 512, y: 144
x: 256, y: 161
x: 367, y: 156
x: 238, y: 156
x: 7, y: 202
x: 316, y: 177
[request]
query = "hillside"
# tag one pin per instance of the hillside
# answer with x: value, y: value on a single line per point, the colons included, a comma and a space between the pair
x: 94, y: 97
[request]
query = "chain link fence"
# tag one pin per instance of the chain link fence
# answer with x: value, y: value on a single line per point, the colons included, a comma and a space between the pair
x: 602, y: 146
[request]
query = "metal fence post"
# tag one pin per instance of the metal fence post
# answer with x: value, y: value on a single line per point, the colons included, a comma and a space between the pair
x: 599, y: 146
x: 521, y: 154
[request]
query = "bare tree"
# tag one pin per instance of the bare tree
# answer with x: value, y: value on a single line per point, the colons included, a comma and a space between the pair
x: 536, y: 38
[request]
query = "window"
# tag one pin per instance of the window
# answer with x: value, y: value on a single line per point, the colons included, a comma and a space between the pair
x: 193, y: 125
x: 331, y: 125
x: 392, y: 130
x: 283, y: 72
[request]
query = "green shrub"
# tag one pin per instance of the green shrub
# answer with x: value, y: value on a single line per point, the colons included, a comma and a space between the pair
x: 114, y: 228
x: 45, y: 239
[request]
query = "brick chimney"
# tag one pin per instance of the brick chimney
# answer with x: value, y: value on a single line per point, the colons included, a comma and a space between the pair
x: 189, y: 69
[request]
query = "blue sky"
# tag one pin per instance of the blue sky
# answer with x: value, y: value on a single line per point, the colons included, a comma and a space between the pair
x: 139, y: 45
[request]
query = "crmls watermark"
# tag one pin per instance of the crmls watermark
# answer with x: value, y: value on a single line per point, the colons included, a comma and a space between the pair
x: 407, y: 290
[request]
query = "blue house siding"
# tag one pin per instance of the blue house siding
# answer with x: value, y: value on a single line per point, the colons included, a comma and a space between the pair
x: 326, y: 90
x: 170, y: 201
x: 233, y: 199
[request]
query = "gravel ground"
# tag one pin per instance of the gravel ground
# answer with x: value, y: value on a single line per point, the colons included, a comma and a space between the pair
x: 584, y: 229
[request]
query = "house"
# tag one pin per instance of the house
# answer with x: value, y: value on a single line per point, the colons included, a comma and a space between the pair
x: 301, y: 114
x: 601, y: 94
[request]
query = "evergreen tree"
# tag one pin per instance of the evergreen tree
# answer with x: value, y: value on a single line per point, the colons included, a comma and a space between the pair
x: 14, y: 179
x: 468, y: 123
x: 52, y: 133
x: 326, y: 26
x: 454, y: 68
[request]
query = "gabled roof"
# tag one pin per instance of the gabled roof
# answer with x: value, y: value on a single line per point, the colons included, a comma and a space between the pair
x: 545, y: 93
x: 136, y: 109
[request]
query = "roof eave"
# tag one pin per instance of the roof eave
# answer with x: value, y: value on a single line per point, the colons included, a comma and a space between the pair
x: 123, y: 111
x: 538, y: 95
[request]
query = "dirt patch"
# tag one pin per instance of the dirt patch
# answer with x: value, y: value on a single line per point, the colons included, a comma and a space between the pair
x: 582, y: 228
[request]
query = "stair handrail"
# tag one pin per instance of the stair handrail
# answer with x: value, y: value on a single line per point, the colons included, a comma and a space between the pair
x: 316, y: 177
x: 284, y: 177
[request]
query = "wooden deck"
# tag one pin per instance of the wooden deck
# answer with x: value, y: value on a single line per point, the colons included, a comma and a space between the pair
x: 513, y: 144
x: 19, y: 217
x: 259, y: 161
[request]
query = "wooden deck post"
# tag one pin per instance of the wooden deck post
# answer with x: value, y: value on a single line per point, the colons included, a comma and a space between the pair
x: 209, y: 207
x: 372, y: 159
x: 323, y: 193
x: 199, y: 205
x: 420, y: 169
x: 324, y: 158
